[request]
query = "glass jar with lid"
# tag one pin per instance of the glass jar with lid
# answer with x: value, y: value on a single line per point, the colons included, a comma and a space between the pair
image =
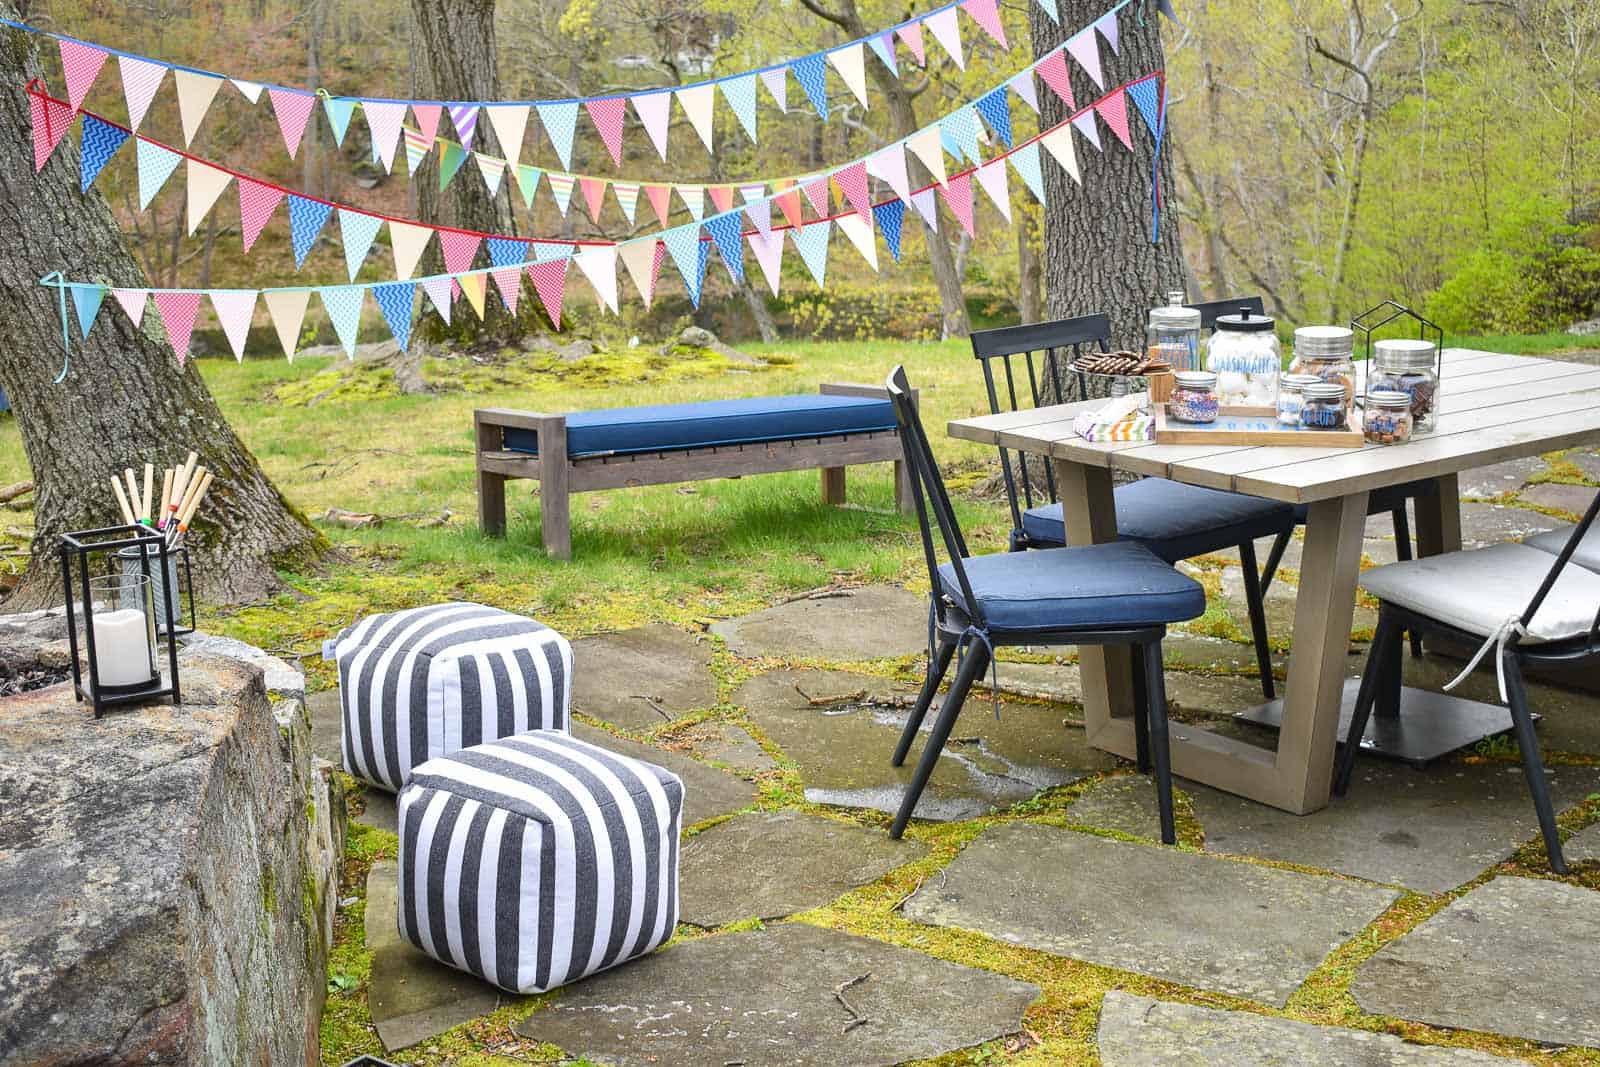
x: 1290, y: 400
x: 1194, y: 396
x: 1324, y: 406
x: 1245, y: 356
x: 1329, y: 353
x: 1172, y: 335
x: 1386, y: 417
x: 1409, y: 366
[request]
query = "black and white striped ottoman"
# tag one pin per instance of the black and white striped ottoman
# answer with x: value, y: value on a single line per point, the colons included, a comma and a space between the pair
x: 420, y: 683
x: 537, y: 859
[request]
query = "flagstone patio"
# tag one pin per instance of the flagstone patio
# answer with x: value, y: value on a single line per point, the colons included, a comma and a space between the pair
x: 1414, y: 922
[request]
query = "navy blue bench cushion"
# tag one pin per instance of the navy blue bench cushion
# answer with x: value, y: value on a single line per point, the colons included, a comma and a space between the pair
x: 668, y: 427
x: 1174, y: 520
x: 1110, y: 586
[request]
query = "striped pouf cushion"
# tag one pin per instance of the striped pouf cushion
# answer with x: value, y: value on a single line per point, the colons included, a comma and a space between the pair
x: 420, y: 683
x: 537, y: 859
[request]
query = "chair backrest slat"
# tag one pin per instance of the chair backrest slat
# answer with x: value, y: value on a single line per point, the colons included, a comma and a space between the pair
x: 1579, y: 532
x: 1210, y: 309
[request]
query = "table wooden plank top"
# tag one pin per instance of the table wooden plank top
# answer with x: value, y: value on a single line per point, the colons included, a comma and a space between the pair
x: 1492, y: 407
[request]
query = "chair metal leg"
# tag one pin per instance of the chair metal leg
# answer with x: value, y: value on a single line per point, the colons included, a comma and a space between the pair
x: 930, y: 687
x: 1532, y: 765
x: 1258, y: 617
x: 1141, y: 705
x: 1370, y: 681
x: 973, y: 664
x: 1155, y: 685
x: 1391, y: 677
x: 1274, y: 557
x: 1402, y: 552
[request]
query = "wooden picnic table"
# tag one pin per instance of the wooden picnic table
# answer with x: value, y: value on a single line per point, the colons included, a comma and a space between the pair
x: 1492, y: 408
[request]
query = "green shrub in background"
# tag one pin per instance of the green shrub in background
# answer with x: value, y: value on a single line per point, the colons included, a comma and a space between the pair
x: 1536, y: 274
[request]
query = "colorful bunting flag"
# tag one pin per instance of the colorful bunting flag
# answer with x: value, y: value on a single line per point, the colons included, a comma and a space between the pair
x: 178, y: 309
x: 816, y: 191
x: 776, y: 79
x: 384, y: 120
x: 890, y: 216
x: 789, y: 204
x: 407, y: 241
x: 560, y: 121
x: 1022, y: 85
x: 995, y: 107
x: 725, y: 231
x: 287, y: 309
x: 811, y: 241
x: 683, y: 243
x: 417, y: 149
x: 859, y: 230
x: 251, y: 91
x: 643, y: 261
x: 992, y: 177
x: 451, y: 156
x: 987, y: 15
x: 561, y: 188
x: 1026, y: 161
x: 698, y: 102
x: 1085, y: 125
x: 607, y: 114
x: 1085, y: 48
x: 205, y: 185
x: 306, y: 219
x: 741, y: 96
x: 293, y: 110
x: 339, y: 109
x: 195, y: 93
x: 694, y: 198
x: 473, y: 287
x: 721, y: 197
x: 1146, y: 96
x: 132, y: 302
x: 101, y: 141
x: 440, y: 291
x: 660, y: 199
x: 599, y: 265
x: 156, y: 165
x: 81, y: 64
x: 957, y: 195
x: 358, y: 230
x: 510, y: 125
x: 1058, y: 142
x: 493, y: 169
x: 550, y: 282
x: 465, y: 119
x: 1052, y: 70
x: 1049, y: 8
x: 926, y: 146
x: 849, y: 62
x: 759, y: 212
x: 86, y: 300
x: 459, y: 248
x: 234, y: 308
x: 1106, y: 26
x: 923, y: 200
x: 627, y: 194
x: 506, y: 251
x: 427, y: 116
x: 51, y: 120
x: 947, y: 31
x: 768, y: 249
x: 812, y: 74
x: 882, y: 46
x: 594, y: 195
x: 395, y: 300
x: 528, y: 183
x: 655, y: 113
x: 1114, y: 110
x: 140, y: 80
x: 343, y: 305
x: 853, y: 183
x: 911, y: 34
x: 961, y: 126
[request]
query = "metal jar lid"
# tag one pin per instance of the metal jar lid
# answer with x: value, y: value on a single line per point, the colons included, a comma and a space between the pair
x: 1196, y: 379
x: 1295, y: 383
x: 1242, y: 321
x: 1389, y: 398
x: 1175, y: 316
x: 1321, y: 390
x: 1404, y: 354
x: 1324, y: 342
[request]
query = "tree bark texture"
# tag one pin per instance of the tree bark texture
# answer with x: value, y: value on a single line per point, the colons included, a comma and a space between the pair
x: 125, y: 400
x: 1097, y: 250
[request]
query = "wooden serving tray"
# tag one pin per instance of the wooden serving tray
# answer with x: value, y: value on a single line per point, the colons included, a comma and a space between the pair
x: 1249, y: 426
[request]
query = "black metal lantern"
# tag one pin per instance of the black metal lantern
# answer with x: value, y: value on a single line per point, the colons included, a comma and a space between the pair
x: 107, y: 575
x: 1411, y: 366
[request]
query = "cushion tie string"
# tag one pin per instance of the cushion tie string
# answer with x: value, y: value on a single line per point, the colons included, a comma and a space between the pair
x: 1503, y: 636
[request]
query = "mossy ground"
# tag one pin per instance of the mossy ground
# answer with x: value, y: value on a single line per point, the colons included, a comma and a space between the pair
x: 686, y: 555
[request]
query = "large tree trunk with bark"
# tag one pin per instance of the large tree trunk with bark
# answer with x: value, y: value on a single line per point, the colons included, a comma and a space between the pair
x: 1097, y: 250
x: 125, y: 399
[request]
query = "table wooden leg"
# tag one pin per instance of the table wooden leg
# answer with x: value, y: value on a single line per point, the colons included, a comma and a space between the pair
x: 1439, y: 518
x: 1323, y: 609
x: 1090, y: 514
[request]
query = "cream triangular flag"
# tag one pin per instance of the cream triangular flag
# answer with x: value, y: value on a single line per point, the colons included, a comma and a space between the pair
x: 640, y: 259
x: 205, y: 185
x: 408, y: 241
x: 849, y: 62
x: 195, y: 93
x: 288, y: 310
x: 860, y: 232
x: 926, y: 146
x: 698, y: 103
x: 599, y: 265
x: 510, y: 123
x: 1058, y: 142
x: 251, y: 91
x: 472, y: 286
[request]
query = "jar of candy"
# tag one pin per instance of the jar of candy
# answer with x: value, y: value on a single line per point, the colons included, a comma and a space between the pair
x: 1386, y: 417
x: 1323, y: 407
x: 1290, y: 400
x: 1173, y: 334
x: 1194, y: 396
x: 1329, y: 353
x: 1245, y: 356
x: 1409, y: 366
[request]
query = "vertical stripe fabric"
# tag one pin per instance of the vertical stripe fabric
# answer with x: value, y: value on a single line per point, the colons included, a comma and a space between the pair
x: 424, y: 682
x: 535, y: 860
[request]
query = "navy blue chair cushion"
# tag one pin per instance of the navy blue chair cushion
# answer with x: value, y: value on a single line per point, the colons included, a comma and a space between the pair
x: 1382, y: 501
x: 668, y: 427
x: 1174, y: 520
x: 1111, y: 586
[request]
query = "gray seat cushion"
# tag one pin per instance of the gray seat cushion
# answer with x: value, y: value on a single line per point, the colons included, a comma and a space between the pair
x: 1588, y: 553
x: 1477, y: 591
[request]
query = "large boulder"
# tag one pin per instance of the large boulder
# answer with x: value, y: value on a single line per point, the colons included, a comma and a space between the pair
x: 168, y: 875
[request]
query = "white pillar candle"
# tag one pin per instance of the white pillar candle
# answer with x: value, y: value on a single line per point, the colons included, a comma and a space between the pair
x: 122, y: 647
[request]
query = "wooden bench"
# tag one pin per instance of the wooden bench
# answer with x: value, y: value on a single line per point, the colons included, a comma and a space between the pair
x: 586, y: 451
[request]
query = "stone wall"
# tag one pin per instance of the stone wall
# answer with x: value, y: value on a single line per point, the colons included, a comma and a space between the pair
x: 168, y: 876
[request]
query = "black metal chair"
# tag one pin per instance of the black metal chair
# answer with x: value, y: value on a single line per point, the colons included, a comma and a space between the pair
x: 1210, y: 309
x: 1475, y: 596
x: 1173, y: 520
x: 1111, y: 594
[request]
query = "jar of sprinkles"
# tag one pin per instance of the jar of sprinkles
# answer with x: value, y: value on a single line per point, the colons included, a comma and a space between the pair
x: 1329, y: 353
x: 1387, y: 417
x: 1409, y: 366
x: 1290, y: 400
x: 1194, y: 396
x: 1323, y: 407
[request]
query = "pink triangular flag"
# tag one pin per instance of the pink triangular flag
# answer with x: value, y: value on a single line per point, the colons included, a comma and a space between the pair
x: 459, y: 248
x: 81, y: 64
x: 178, y: 310
x: 1085, y: 48
x: 992, y: 176
x: 1052, y: 70
x: 768, y: 249
x: 889, y: 166
x: 257, y: 202
x: 655, y: 112
x: 957, y: 193
x: 607, y: 113
x: 384, y: 119
x: 987, y: 15
x: 427, y: 116
x: 1107, y: 25
x: 721, y: 197
x: 292, y: 109
x: 816, y: 191
x: 853, y: 183
x: 550, y: 282
x: 927, y: 207
x: 789, y: 204
x: 660, y: 197
x: 946, y: 29
x: 51, y: 120
x: 594, y: 195
x: 1114, y: 109
x: 1085, y: 125
x: 911, y: 34
x: 140, y: 80
x: 132, y: 302
x: 234, y: 310
x: 643, y: 261
x: 777, y: 82
x: 509, y: 281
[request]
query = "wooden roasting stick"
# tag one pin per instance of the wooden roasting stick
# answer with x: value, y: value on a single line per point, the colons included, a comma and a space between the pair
x: 180, y: 485
x: 149, y: 491
x: 191, y: 507
x: 122, y: 500
x: 133, y: 494
x: 166, y: 498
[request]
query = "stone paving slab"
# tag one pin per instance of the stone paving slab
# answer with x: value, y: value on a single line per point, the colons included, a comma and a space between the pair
x: 410, y: 995
x: 844, y: 741
x: 767, y: 865
x: 1143, y: 1032
x: 1429, y: 830
x: 767, y: 996
x: 1126, y: 803
x: 1213, y: 924
x: 327, y: 727
x: 872, y: 622
x: 1587, y: 462
x: 1506, y: 477
x: 725, y: 743
x: 1515, y: 956
x: 1583, y: 846
x: 1490, y: 524
x: 642, y: 679
x: 707, y: 791
x: 1574, y: 499
x: 379, y: 810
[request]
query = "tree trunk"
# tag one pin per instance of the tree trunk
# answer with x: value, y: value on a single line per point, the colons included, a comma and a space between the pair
x: 125, y: 399
x: 1029, y: 270
x: 1097, y: 250
x: 757, y: 300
